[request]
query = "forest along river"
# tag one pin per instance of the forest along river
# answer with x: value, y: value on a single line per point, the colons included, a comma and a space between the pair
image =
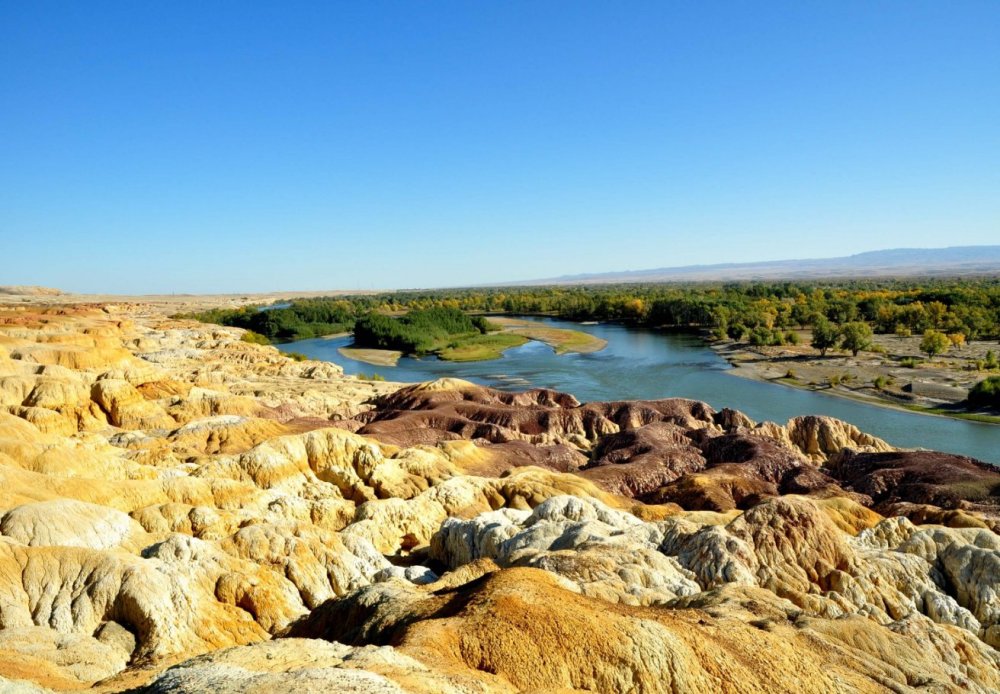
x: 645, y: 365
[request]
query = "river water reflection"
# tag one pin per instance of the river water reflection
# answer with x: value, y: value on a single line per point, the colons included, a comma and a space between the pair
x: 646, y: 364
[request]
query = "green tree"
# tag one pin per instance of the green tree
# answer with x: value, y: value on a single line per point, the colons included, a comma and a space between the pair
x: 824, y: 335
x: 991, y: 360
x: 856, y: 336
x: 934, y: 343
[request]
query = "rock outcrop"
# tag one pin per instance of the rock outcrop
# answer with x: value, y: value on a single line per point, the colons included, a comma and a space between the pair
x: 524, y: 629
x: 187, y: 511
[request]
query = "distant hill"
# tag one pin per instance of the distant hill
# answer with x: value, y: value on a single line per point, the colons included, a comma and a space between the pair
x: 896, y: 262
x: 24, y: 290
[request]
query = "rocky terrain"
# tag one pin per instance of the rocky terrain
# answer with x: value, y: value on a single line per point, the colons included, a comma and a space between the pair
x: 184, y: 511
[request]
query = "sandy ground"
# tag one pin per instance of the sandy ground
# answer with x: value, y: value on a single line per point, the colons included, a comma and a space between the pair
x: 941, y: 384
x: 377, y: 357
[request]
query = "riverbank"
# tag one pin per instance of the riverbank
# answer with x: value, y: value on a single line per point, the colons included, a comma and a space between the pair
x: 892, y: 374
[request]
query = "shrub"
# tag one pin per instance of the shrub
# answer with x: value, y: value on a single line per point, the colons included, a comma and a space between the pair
x: 297, y: 356
x: 254, y: 338
x: 882, y: 382
x: 909, y: 362
x: 838, y: 379
x: 761, y: 337
x: 370, y: 377
x: 986, y: 393
x: 738, y: 332
x: 990, y: 362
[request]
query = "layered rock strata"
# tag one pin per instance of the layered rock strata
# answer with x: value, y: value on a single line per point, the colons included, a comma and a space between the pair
x: 185, y: 511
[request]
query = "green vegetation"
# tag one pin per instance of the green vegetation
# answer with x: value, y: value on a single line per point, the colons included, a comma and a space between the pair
x: 254, y: 338
x: 559, y: 339
x: 480, y: 347
x: 934, y: 343
x: 370, y: 377
x: 448, y: 332
x: 418, y: 332
x: 303, y: 319
x: 990, y: 363
x: 760, y: 312
x: 855, y: 336
x: 840, y: 379
x: 824, y: 336
x: 883, y: 382
x: 986, y: 393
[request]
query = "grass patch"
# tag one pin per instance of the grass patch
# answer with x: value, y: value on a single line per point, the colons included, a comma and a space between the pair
x: 562, y: 340
x: 948, y: 412
x: 480, y: 347
x: 972, y: 490
x: 370, y: 377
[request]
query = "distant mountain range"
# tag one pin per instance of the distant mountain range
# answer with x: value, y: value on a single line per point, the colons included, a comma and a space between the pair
x: 895, y: 262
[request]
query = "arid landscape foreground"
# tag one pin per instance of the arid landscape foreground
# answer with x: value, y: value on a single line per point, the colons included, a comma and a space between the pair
x: 181, y: 510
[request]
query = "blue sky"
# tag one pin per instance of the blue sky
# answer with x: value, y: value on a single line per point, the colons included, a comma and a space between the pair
x: 239, y: 146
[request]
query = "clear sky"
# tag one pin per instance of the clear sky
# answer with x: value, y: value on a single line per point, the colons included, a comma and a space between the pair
x: 241, y: 146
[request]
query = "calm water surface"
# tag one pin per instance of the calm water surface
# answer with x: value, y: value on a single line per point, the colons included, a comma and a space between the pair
x: 644, y: 364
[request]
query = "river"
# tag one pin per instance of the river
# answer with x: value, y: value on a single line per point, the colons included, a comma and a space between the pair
x: 646, y: 364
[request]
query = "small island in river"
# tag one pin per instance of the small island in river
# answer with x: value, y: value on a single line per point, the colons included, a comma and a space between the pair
x: 452, y: 335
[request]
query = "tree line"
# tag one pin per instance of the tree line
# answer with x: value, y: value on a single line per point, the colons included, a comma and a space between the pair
x: 759, y: 312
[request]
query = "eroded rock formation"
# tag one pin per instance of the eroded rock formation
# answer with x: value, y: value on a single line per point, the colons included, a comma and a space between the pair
x: 188, y: 511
